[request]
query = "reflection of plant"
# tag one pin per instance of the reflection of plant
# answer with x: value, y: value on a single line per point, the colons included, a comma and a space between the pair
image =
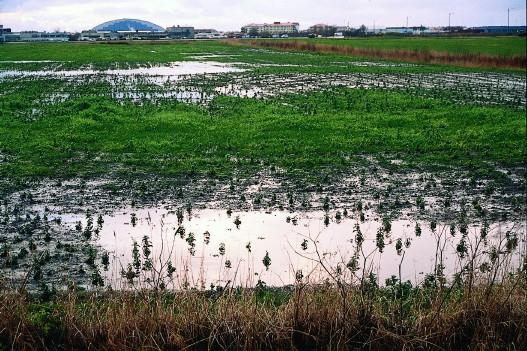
x: 237, y: 222
x: 418, y: 230
x: 105, y: 260
x: 147, y: 259
x: 266, y: 261
x: 136, y: 258
x: 206, y: 237
x: 380, y: 240
x: 191, y: 241
x: 133, y: 219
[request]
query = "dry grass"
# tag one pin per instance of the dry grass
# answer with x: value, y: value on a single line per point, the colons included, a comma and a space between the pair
x: 416, y: 56
x: 311, y: 318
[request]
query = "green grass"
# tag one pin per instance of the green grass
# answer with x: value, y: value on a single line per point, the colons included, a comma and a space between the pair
x: 92, y: 136
x: 90, y: 52
x: 496, y: 46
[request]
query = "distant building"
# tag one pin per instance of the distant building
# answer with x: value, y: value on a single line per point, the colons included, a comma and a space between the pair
x: 4, y: 32
x: 128, y: 25
x: 405, y: 30
x: 233, y: 35
x: 501, y: 29
x: 275, y: 28
x: 208, y: 34
x: 89, y: 35
x: 177, y: 32
x: 344, y: 29
x: 33, y: 36
x: 323, y: 30
x: 125, y: 28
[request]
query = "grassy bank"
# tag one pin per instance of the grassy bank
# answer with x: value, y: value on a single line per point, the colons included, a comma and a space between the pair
x: 509, y: 55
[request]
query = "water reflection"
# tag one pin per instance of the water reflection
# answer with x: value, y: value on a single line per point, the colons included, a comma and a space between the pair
x: 222, y: 247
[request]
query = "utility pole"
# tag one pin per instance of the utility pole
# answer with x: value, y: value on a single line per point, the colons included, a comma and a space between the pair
x: 406, y: 21
x: 449, y: 26
x: 508, y: 20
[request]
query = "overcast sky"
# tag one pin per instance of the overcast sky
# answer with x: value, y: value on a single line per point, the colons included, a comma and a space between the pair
x: 76, y: 15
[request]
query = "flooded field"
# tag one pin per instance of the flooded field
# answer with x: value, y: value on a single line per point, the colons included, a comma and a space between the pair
x: 248, y: 182
x: 201, y: 81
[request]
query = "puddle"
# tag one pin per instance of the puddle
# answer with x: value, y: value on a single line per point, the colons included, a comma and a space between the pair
x: 174, y: 69
x: 211, y: 238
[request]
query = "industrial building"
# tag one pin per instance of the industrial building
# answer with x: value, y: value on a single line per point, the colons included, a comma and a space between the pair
x: 3, y: 32
x: 178, y: 32
x: 501, y: 29
x: 8, y: 36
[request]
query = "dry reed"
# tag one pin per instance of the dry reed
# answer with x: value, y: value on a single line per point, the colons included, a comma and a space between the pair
x: 416, y: 56
x: 312, y: 318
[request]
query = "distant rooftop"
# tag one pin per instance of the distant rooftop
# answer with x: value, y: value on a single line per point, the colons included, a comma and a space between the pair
x: 128, y: 25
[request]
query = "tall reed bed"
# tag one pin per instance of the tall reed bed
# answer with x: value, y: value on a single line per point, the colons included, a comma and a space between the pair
x: 418, y: 56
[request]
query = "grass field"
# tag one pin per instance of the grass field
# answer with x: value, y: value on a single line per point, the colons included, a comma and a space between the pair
x: 312, y: 132
x: 496, y: 46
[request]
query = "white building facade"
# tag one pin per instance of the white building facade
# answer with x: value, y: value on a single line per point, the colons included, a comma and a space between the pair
x: 275, y: 28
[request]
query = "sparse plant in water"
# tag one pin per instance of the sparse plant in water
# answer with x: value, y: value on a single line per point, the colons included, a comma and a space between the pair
x: 191, y: 241
x: 237, y: 222
x: 105, y: 260
x: 379, y: 241
x: 418, y: 230
x: 266, y: 261
x: 147, y: 252
x: 133, y: 219
x: 206, y: 237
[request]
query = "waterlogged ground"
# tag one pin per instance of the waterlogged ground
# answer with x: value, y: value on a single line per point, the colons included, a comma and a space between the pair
x: 201, y: 81
x: 198, y: 248
x: 78, y: 232
x: 244, y: 165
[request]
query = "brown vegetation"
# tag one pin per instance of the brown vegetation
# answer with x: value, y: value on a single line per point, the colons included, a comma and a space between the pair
x: 417, y: 56
x: 308, y: 318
